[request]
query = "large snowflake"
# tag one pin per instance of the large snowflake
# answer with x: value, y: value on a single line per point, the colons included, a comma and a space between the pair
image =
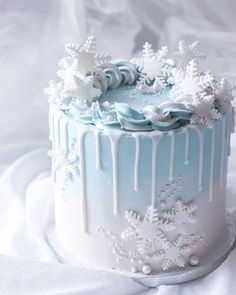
x: 75, y: 70
x: 224, y: 95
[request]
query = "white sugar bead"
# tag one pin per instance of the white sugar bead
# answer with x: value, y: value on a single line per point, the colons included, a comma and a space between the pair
x: 146, y: 269
x: 194, y: 260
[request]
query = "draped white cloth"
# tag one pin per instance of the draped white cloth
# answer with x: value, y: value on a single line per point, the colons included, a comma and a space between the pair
x: 32, y: 34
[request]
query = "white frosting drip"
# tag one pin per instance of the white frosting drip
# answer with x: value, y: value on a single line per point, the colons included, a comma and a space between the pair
x: 172, y: 155
x: 186, y: 156
x: 228, y: 134
x: 212, y: 164
x: 136, y: 163
x: 114, y: 151
x: 155, y: 141
x: 66, y: 129
x: 223, y: 147
x: 58, y: 132
x: 98, y: 150
x: 201, y: 154
x: 83, y: 198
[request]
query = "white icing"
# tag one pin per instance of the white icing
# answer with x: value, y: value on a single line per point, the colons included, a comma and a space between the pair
x: 98, y: 150
x: 228, y: 133
x: 136, y: 163
x: 212, y: 164
x: 58, y: 131
x: 201, y: 154
x: 114, y: 152
x: 222, y: 158
x: 186, y: 131
x: 83, y: 208
x: 172, y: 155
x: 155, y: 141
x: 66, y: 135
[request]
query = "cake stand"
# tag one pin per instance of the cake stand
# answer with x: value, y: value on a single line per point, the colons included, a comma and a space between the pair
x: 210, y: 263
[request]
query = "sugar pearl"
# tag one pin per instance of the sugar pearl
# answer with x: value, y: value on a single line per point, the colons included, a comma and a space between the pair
x: 146, y: 269
x: 194, y: 260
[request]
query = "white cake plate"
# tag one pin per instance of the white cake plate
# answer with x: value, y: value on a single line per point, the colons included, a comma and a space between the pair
x: 210, y: 263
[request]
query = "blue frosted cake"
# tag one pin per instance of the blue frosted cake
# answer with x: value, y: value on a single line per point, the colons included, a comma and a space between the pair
x: 139, y: 158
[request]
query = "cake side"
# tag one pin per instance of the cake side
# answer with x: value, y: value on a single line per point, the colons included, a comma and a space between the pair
x: 177, y: 177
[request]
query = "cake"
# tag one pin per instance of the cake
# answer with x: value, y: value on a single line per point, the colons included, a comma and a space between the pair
x: 139, y: 158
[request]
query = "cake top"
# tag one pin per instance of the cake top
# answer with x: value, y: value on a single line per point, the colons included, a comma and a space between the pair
x: 157, y: 91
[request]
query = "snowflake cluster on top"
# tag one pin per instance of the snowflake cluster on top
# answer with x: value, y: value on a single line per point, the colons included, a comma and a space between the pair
x: 75, y: 73
x: 191, y: 91
x: 196, y: 90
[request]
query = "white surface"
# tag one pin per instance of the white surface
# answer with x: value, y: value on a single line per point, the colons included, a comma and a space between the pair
x: 32, y: 34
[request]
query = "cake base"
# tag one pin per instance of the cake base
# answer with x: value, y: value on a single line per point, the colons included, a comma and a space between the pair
x: 210, y: 263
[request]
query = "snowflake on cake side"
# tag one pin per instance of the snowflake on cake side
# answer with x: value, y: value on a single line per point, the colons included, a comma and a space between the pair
x: 158, y: 235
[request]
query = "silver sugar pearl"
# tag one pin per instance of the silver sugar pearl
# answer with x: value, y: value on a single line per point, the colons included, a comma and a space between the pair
x: 146, y: 269
x: 194, y: 260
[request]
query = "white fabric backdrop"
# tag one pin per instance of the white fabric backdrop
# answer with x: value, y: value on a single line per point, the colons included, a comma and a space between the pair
x: 32, y: 34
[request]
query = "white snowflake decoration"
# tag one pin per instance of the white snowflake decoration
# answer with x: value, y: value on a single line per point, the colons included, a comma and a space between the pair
x: 55, y: 92
x: 86, y: 55
x: 186, y: 53
x: 145, y: 230
x: 147, y: 237
x: 173, y: 251
x: 154, y: 66
x: 181, y: 214
x: 224, y: 95
x: 189, y: 82
x: 74, y: 70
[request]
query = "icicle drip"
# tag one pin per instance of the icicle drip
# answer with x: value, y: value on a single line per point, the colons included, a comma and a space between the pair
x: 172, y: 155
x: 212, y: 163
x: 155, y: 141
x: 58, y: 131
x: 186, y: 156
x: 66, y: 136
x: 223, y: 147
x: 201, y: 154
x: 136, y: 163
x: 114, y: 151
x: 228, y: 133
x: 82, y: 182
x: 98, y: 150
x: 50, y: 121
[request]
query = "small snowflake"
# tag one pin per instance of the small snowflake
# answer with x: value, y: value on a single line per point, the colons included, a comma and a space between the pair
x: 189, y: 82
x: 204, y: 111
x: 173, y: 251
x: 186, y: 53
x: 224, y: 95
x: 169, y: 193
x: 86, y: 55
x: 54, y: 91
x: 155, y: 67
